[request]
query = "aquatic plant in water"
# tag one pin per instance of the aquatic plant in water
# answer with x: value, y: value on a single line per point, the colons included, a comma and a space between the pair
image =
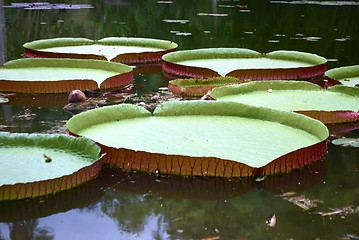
x: 244, y: 64
x: 348, y: 76
x: 62, y: 75
x: 34, y: 165
x: 204, y: 138
x: 336, y: 104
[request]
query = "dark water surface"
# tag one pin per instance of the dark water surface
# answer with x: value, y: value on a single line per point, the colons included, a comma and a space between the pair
x: 321, y: 202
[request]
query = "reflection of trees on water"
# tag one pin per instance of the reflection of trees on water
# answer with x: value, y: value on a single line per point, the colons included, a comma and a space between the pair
x: 29, y: 229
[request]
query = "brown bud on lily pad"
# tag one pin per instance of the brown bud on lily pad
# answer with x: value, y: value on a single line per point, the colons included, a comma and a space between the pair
x: 203, y: 138
x: 130, y: 51
x: 62, y: 75
x: 34, y: 165
x: 337, y: 104
x: 244, y: 64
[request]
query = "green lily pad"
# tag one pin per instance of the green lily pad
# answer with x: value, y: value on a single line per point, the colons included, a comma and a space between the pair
x: 199, y: 87
x: 4, y: 100
x: 206, y: 138
x: 336, y: 104
x: 348, y: 76
x: 116, y: 49
x: 62, y: 75
x: 243, y: 64
x: 33, y: 165
x: 346, y: 142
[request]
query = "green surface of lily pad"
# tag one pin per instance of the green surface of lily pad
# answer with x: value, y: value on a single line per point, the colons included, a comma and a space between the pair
x: 202, y: 130
x: 346, y: 142
x: 62, y: 75
x: 348, y: 76
x: 243, y: 64
x: 117, y: 49
x: 199, y: 87
x: 292, y: 96
x: 38, y: 164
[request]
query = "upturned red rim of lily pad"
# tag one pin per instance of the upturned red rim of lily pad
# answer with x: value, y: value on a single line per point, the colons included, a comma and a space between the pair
x: 200, y: 86
x: 195, y: 125
x: 125, y: 50
x: 348, y: 76
x: 62, y: 75
x: 336, y: 104
x: 246, y: 64
x: 41, y: 159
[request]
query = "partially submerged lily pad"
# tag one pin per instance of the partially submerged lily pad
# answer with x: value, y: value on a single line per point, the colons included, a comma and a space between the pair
x: 116, y: 49
x: 62, y: 75
x: 346, y: 142
x: 33, y: 165
x: 199, y: 87
x: 243, y: 64
x: 335, y: 105
x: 348, y: 75
x: 205, y: 138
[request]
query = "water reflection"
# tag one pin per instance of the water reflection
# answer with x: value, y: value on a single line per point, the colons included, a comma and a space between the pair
x: 3, y: 57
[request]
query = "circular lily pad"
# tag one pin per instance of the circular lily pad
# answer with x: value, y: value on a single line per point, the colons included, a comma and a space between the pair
x: 205, y: 138
x: 346, y: 142
x: 4, y: 100
x: 117, y: 49
x: 243, y: 64
x: 199, y: 87
x: 62, y: 75
x: 348, y: 76
x: 334, y: 105
x: 33, y: 165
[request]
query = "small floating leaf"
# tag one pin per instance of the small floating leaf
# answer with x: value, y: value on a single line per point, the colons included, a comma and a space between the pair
x: 348, y: 75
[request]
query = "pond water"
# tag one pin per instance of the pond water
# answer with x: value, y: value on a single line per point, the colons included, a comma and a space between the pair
x: 321, y: 202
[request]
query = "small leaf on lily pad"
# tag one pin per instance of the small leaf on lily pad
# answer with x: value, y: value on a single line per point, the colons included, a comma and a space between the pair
x: 116, y: 49
x: 346, y: 142
x: 243, y: 64
x: 33, y: 165
x: 334, y: 105
x: 62, y: 75
x: 205, y: 138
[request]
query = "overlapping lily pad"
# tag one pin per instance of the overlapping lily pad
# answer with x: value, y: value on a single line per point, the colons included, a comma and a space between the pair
x: 348, y: 75
x: 116, y: 49
x: 335, y: 105
x: 243, y: 64
x: 33, y: 165
x: 199, y: 87
x: 205, y: 138
x: 62, y: 75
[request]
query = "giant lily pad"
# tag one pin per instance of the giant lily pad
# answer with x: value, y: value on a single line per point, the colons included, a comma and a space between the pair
x: 62, y: 75
x: 334, y: 105
x: 117, y: 49
x: 33, y: 165
x: 243, y: 64
x: 348, y: 76
x: 205, y: 138
x: 199, y: 87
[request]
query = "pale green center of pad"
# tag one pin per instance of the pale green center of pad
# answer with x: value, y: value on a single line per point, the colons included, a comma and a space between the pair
x: 108, y: 51
x: 28, y: 164
x: 55, y: 74
x: 350, y: 81
x: 298, y: 100
x: 250, y: 141
x: 225, y: 65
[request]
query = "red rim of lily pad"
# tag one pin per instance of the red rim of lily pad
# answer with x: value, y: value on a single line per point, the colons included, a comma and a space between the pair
x: 199, y: 87
x: 119, y: 75
x: 343, y: 75
x: 266, y: 89
x: 46, y: 142
x: 176, y: 164
x: 174, y: 69
x: 35, y: 49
